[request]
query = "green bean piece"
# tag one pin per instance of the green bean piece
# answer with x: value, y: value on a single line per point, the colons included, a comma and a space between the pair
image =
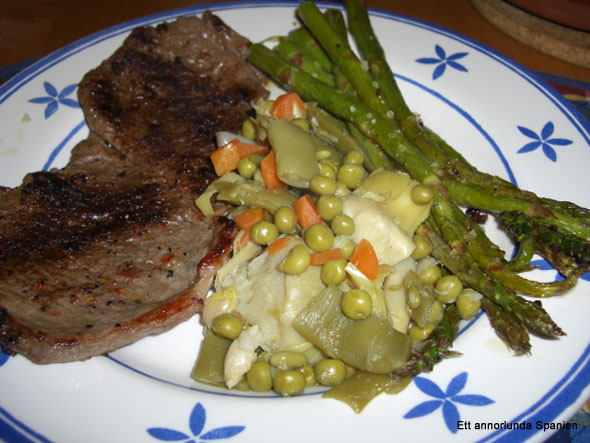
x: 322, y: 185
x: 228, y: 325
x: 259, y: 377
x: 448, y: 288
x: 319, y: 237
x: 329, y: 206
x: 362, y: 387
x: 351, y: 175
x: 297, y: 261
x: 288, y: 360
x: 254, y: 194
x: 208, y: 368
x: 333, y: 272
x: 330, y: 371
x: 356, y: 304
x: 288, y: 382
x: 264, y: 232
x: 342, y: 225
x: 285, y: 219
x: 295, y: 153
x: 369, y: 345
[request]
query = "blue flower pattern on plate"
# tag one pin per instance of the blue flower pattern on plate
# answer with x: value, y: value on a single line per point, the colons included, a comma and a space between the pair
x: 542, y: 140
x: 543, y: 265
x: 446, y: 399
x: 442, y: 61
x: 55, y: 98
x: 196, y: 425
x: 3, y: 357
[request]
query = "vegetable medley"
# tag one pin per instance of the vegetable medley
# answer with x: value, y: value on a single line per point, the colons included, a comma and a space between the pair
x: 329, y: 282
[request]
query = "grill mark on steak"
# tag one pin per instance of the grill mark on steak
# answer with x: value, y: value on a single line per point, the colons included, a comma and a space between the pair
x: 111, y: 248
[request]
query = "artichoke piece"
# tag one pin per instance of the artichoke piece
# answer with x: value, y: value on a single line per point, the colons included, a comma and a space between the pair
x: 393, y: 190
x: 370, y: 344
x: 295, y: 153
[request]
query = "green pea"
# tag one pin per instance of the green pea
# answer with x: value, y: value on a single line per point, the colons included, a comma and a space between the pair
x: 227, y: 325
x: 430, y: 275
x: 423, y: 247
x: 323, y: 154
x: 436, y: 312
x: 297, y: 261
x: 322, y: 185
x: 264, y: 232
x: 308, y: 374
x: 330, y: 371
x: 259, y: 377
x: 328, y: 169
x: 342, y: 225
x: 288, y: 360
x: 420, y: 334
x: 329, y: 206
x: 468, y: 303
x: 333, y: 272
x: 249, y: 129
x: 285, y: 219
x: 413, y: 298
x: 288, y: 382
x: 319, y: 237
x: 356, y: 304
x: 351, y: 175
x: 348, y: 248
x: 421, y: 194
x: 448, y: 288
x: 341, y: 189
x: 246, y: 168
x: 354, y: 157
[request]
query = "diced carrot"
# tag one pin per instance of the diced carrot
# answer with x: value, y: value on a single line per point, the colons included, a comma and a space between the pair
x: 248, y: 218
x: 279, y: 244
x: 306, y: 212
x: 365, y: 259
x: 288, y: 106
x: 248, y: 149
x: 225, y: 159
x: 268, y: 168
x: 323, y: 257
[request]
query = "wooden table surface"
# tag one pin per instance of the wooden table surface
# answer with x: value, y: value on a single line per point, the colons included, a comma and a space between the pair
x: 33, y: 28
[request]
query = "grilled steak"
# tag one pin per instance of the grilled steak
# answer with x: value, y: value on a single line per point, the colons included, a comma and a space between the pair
x: 111, y: 248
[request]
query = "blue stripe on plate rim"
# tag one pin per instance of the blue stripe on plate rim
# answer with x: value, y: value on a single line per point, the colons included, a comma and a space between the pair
x: 561, y: 396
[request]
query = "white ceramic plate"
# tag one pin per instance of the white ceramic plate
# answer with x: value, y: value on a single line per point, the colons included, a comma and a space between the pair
x: 482, y: 103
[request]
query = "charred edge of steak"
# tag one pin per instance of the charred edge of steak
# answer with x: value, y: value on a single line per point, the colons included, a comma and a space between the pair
x: 65, y: 214
x: 214, y: 259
